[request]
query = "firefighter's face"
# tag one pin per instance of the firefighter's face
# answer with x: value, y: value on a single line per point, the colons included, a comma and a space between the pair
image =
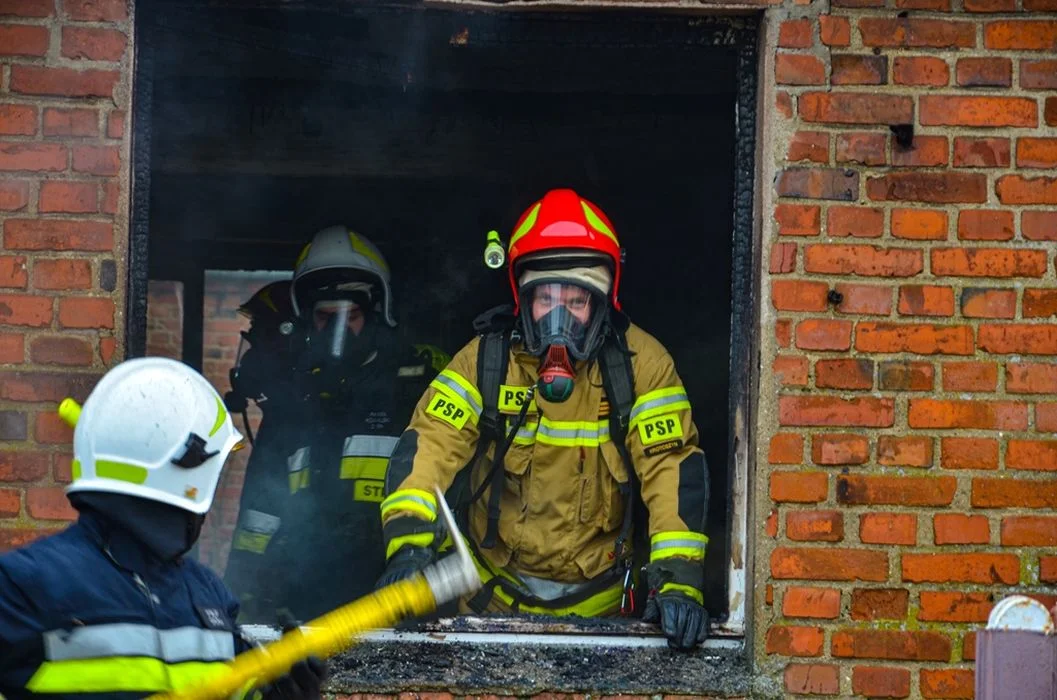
x: 576, y: 300
x: 324, y: 312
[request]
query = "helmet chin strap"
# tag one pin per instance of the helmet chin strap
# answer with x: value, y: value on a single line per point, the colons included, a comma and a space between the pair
x: 557, y: 379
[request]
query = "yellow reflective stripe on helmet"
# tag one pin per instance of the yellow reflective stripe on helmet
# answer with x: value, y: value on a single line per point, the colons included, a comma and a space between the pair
x: 422, y: 503
x: 572, y: 433
x: 365, y: 250
x: 418, y: 539
x: 120, y: 471
x: 665, y: 400
x: 688, y: 591
x: 120, y: 674
x: 302, y: 255
x: 222, y: 413
x: 690, y: 545
x: 526, y: 225
x: 455, y: 385
x: 596, y: 223
x: 75, y: 469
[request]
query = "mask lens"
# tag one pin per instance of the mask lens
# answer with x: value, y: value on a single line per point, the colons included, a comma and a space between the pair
x: 561, y: 314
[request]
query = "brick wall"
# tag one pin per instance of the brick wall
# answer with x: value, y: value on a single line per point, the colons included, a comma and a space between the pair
x: 909, y: 371
x: 64, y: 93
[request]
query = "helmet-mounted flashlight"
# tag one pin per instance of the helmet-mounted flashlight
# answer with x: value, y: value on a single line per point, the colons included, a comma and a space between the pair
x: 494, y: 252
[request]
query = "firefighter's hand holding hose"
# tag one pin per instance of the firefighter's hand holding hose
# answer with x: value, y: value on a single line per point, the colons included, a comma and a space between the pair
x: 444, y: 581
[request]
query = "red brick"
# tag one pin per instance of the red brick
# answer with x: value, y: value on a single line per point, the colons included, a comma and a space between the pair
x: 958, y: 528
x: 984, y: 72
x: 783, y: 258
x: 913, y: 32
x: 880, y: 682
x: 51, y: 430
x: 1048, y: 569
x: 97, y: 160
x: 93, y: 44
x: 795, y: 641
x: 71, y: 122
x: 948, y: 110
x: 863, y: 260
x: 920, y: 70
x: 14, y: 195
x: 969, y: 646
x: 798, y: 219
x: 63, y: 82
x: 49, y: 503
x: 904, y: 375
x: 53, y: 387
x: 949, y: 682
x: 788, y: 448
x: 783, y: 104
x: 783, y: 333
x: 926, y: 300
x: 1038, y: 75
x: 62, y: 273
x: 1036, y: 153
x: 82, y: 312
x: 1031, y: 378
x: 10, y: 503
x: 1034, y: 455
x: 962, y: 568
x: 852, y: 69
x: 829, y: 564
x: 809, y: 145
x: 23, y: 40
x: 32, y: 156
x: 860, y: 222
x: 115, y: 125
x: 888, y: 528
x: 818, y: 183
x: 814, y: 526
x: 904, y: 451
x: 970, y: 376
x: 856, y: 108
x: 988, y: 262
x: 872, y: 300
x: 25, y: 310
x: 1040, y: 303
x: 812, y: 679
x: 23, y: 465
x: 968, y: 453
x: 12, y: 348
x: 111, y: 190
x: 1029, y: 531
x: 1014, y: 493
x: 61, y: 350
x: 941, y: 188
x: 839, y: 448
x: 990, y: 5
x: 1046, y: 417
x: 823, y: 334
x: 981, y: 153
x: 982, y: 415
x: 858, y: 3
x: 106, y: 349
x: 988, y: 303
x: 27, y: 8
x: 96, y: 10
x: 918, y: 339
x: 861, y: 147
x: 924, y: 152
x: 798, y: 487
x: 832, y: 411
x: 1015, y: 338
x: 954, y: 606
x: 63, y: 468
x: 934, y: 5
x: 1040, y: 5
x: 985, y: 225
x: 1039, y: 225
x: 896, y: 490
x: 844, y: 374
x: 891, y: 644
x: 13, y: 273
x: 801, y: 601
x: 68, y: 197
x: 796, y: 295
x: 798, y: 69
x: 50, y: 234
x: 1032, y: 35
x: 795, y: 34
x: 879, y: 603
x: 790, y: 371
x: 919, y: 224
x: 18, y: 120
x: 834, y: 31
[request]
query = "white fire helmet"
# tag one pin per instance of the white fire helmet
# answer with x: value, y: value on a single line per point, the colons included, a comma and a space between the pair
x: 156, y: 429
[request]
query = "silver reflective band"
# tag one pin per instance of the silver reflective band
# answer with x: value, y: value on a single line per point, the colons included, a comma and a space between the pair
x: 127, y: 639
x: 369, y: 446
x: 594, y: 433
x: 460, y: 392
x: 298, y: 460
x: 657, y: 403
x: 677, y: 544
x: 256, y: 521
x: 395, y: 500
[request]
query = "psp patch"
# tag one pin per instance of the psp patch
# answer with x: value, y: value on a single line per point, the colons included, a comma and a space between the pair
x: 512, y: 398
x: 451, y: 411
x: 661, y: 448
x: 660, y: 429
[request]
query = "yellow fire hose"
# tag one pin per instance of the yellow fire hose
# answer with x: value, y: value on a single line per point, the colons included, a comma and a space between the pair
x: 448, y: 579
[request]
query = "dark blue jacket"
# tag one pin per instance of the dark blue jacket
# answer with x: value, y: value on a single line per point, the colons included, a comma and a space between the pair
x: 89, y: 612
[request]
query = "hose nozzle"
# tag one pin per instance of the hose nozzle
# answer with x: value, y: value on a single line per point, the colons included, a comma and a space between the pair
x: 494, y: 253
x: 69, y: 411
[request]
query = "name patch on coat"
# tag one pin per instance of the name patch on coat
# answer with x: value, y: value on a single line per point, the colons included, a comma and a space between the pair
x: 661, y: 448
x: 660, y: 429
x: 449, y: 410
x: 213, y: 618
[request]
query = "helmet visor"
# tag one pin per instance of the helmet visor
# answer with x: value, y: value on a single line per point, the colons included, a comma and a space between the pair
x: 562, y: 313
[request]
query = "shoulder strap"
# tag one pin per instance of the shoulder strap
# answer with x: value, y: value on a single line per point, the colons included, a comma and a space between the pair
x: 492, y: 356
x: 619, y: 384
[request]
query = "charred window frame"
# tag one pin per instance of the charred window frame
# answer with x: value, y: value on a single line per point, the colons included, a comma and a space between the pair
x: 475, y: 654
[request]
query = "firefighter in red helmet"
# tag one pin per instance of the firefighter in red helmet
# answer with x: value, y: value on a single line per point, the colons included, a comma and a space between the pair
x: 558, y: 416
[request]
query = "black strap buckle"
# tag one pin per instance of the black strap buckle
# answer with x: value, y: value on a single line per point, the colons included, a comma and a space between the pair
x: 195, y: 454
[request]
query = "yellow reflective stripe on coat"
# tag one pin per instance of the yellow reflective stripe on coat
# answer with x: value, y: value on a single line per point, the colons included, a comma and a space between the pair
x: 688, y: 591
x: 418, y: 539
x: 689, y: 545
x: 664, y: 400
x: 455, y: 385
x: 255, y: 530
x: 572, y: 433
x: 119, y: 674
x: 366, y: 456
x: 421, y: 503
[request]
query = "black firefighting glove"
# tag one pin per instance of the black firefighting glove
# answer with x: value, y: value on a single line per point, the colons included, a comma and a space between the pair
x: 305, y: 679
x: 408, y: 561
x: 683, y: 619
